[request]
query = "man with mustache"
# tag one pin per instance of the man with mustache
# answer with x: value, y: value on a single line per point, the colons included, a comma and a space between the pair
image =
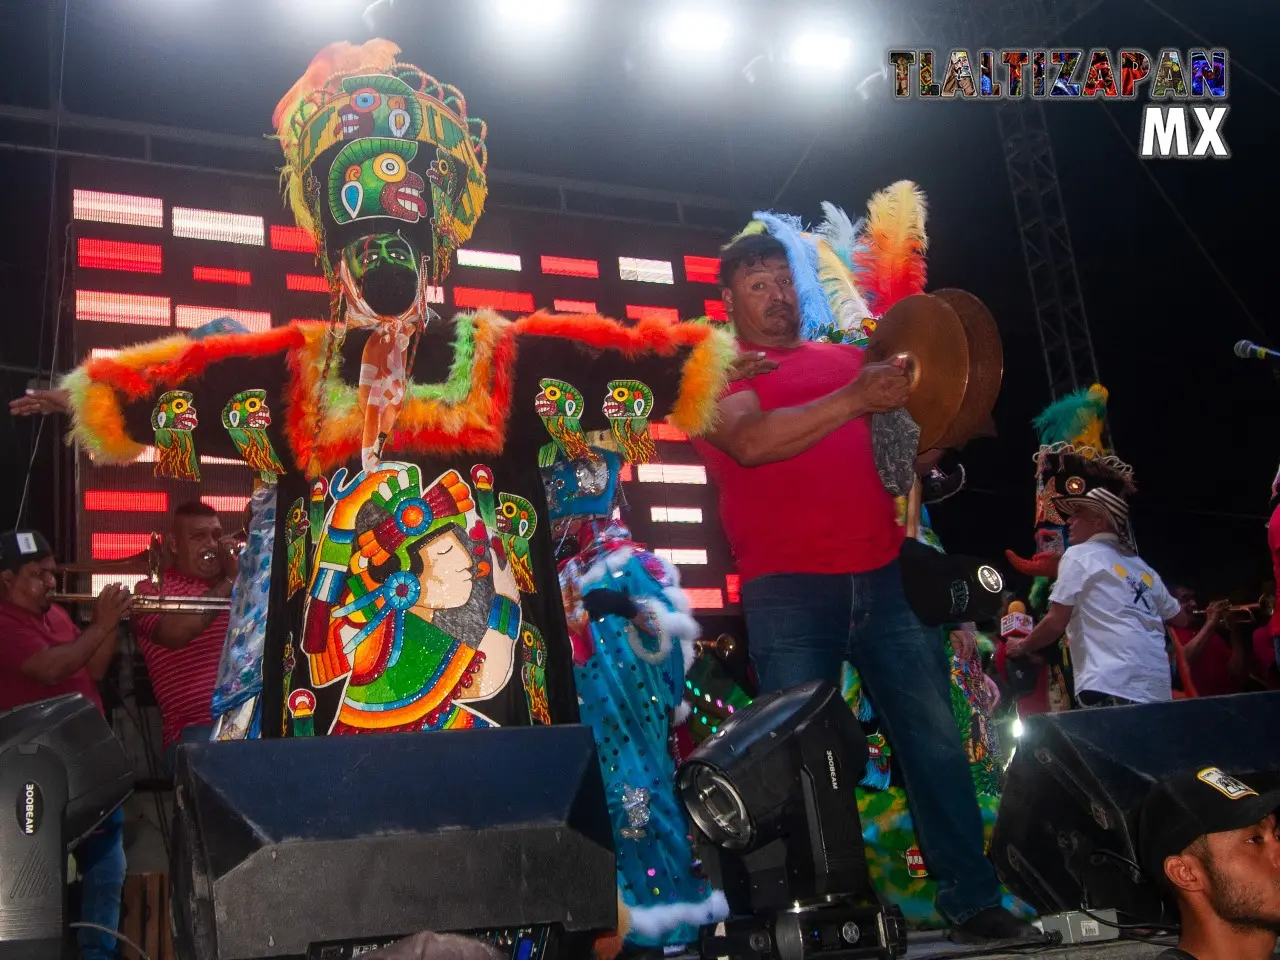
x: 44, y: 654
x: 816, y: 540
x: 182, y: 650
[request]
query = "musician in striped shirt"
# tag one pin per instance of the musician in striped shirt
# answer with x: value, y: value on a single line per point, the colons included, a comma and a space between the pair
x: 182, y: 650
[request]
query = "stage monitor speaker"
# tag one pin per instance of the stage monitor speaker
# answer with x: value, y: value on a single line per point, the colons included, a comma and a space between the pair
x: 283, y: 844
x: 62, y: 771
x: 1067, y: 819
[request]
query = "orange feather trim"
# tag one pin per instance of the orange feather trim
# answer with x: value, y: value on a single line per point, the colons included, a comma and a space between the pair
x: 478, y: 423
x: 705, y: 374
x: 143, y: 370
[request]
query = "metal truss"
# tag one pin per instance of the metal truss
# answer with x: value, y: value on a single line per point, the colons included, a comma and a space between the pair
x: 1058, y: 303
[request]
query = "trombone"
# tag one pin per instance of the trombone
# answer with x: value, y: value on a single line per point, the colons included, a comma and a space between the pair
x: 143, y: 603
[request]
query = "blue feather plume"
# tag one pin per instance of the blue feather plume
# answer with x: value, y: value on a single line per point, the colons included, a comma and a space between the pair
x: 802, y: 255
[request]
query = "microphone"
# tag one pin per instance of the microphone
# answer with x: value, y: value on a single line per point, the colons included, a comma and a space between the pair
x: 1248, y: 350
x: 1016, y: 623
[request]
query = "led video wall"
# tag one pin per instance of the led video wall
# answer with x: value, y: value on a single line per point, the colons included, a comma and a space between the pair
x: 157, y: 252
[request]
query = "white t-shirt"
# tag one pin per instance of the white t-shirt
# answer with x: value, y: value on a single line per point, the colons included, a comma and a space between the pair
x: 1118, y: 609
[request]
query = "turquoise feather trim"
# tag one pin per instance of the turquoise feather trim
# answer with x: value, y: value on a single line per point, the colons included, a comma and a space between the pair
x: 802, y: 255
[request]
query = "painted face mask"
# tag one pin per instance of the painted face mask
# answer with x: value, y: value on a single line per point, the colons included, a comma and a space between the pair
x: 384, y: 271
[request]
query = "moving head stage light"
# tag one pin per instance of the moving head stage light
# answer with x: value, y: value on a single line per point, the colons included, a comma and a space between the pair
x: 62, y: 772
x: 774, y: 790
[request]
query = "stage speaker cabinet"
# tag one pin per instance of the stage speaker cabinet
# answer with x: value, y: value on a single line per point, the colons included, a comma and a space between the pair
x: 1067, y: 819
x: 284, y: 844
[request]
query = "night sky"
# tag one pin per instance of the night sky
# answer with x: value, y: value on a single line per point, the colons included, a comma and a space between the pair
x: 596, y: 104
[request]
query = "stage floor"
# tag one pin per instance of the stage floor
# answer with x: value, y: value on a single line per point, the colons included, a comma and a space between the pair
x: 935, y: 946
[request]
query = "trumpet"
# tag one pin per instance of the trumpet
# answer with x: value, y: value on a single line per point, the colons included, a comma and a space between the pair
x: 1264, y: 607
x: 146, y: 603
x: 722, y: 646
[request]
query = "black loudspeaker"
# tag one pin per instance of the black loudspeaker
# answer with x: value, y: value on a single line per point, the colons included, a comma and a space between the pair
x: 283, y: 844
x: 1067, y: 819
x: 62, y: 771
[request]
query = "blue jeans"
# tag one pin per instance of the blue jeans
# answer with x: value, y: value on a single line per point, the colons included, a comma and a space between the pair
x: 100, y: 858
x: 802, y: 627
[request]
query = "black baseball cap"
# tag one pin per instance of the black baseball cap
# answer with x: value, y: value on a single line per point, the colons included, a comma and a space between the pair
x: 943, y: 588
x: 20, y: 547
x: 1180, y: 810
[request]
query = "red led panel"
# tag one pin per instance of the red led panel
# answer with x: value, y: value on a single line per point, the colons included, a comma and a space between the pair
x: 218, y: 225
x: 574, y: 306
x: 306, y: 283
x: 702, y: 269
x: 226, y: 504
x: 665, y: 431
x: 241, y: 278
x: 733, y: 587
x: 506, y: 300
x: 569, y: 267
x: 98, y: 307
x: 188, y: 318
x: 117, y: 208
x: 134, y: 501
x: 294, y: 239
x: 705, y: 598
x: 669, y: 314
x: 306, y: 320
x: 118, y: 255
x: 625, y: 475
x: 117, y: 546
x: 716, y: 310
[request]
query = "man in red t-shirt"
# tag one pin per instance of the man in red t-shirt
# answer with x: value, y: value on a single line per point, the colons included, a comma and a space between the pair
x: 816, y: 539
x: 43, y: 654
x: 182, y: 650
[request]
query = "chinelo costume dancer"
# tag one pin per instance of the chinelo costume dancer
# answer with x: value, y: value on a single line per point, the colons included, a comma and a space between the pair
x: 633, y: 643
x: 408, y: 447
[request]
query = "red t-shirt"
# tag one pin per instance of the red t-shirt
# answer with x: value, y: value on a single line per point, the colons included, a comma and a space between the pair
x: 1273, y: 542
x: 182, y: 680
x: 24, y: 634
x: 824, y: 510
x: 1209, y: 670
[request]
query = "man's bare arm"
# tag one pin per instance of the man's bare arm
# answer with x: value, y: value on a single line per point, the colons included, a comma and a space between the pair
x: 59, y: 662
x: 754, y: 437
x: 175, y: 630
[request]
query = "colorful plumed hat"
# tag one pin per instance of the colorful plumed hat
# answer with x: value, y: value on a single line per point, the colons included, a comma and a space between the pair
x: 1071, y: 431
x: 848, y: 273
x: 372, y: 146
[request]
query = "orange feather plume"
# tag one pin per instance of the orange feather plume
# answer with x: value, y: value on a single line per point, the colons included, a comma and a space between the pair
x: 890, y: 254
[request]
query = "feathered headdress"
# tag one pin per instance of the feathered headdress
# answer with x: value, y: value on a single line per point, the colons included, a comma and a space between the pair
x: 1074, y: 426
x: 847, y: 273
x: 890, y: 260
x: 352, y: 93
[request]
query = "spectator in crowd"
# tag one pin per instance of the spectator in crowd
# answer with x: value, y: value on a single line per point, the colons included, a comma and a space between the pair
x: 182, y: 650
x: 1112, y: 606
x: 44, y: 654
x: 1209, y: 840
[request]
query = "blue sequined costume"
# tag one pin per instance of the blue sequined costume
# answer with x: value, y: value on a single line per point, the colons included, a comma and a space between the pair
x: 633, y: 642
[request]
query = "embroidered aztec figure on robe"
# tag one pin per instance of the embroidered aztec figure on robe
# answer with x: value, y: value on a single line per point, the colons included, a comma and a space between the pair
x: 516, y: 523
x: 559, y: 404
x: 534, y: 673
x: 407, y: 605
x: 246, y: 418
x: 173, y: 420
x: 628, y: 406
x: 295, y: 532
